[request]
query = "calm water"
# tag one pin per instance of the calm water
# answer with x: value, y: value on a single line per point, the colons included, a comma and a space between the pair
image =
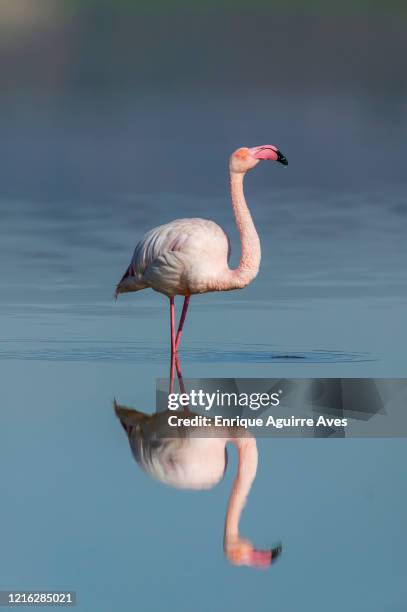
x: 84, y: 174
x: 76, y: 510
x: 331, y: 293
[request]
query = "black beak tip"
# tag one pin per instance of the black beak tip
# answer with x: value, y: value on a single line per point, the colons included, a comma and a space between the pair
x: 282, y: 158
x: 276, y: 552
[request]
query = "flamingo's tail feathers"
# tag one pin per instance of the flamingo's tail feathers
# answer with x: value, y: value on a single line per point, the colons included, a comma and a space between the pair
x: 130, y: 281
x: 129, y: 417
x: 125, y: 276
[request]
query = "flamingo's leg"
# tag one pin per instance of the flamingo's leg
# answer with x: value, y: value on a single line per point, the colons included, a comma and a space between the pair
x: 182, y: 321
x: 173, y: 349
x: 179, y: 374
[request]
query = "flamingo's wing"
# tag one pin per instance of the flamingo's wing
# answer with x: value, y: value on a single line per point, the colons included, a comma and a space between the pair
x: 160, y: 257
x: 156, y: 242
x: 159, y: 240
x: 166, y: 273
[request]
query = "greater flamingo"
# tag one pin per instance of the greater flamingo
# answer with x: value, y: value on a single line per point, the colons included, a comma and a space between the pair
x: 196, y: 458
x: 190, y: 256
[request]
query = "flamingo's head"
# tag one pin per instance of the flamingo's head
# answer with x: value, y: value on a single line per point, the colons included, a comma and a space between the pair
x: 240, y: 551
x: 245, y: 158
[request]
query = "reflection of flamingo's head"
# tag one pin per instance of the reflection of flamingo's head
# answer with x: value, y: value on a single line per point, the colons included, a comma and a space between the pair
x: 245, y: 159
x: 240, y: 551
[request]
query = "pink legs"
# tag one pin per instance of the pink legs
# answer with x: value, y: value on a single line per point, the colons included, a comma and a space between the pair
x: 182, y: 321
x: 179, y: 374
x: 173, y: 349
x: 175, y: 341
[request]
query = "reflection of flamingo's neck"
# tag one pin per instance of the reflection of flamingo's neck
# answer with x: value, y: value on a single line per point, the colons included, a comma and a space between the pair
x: 246, y: 473
x: 250, y: 243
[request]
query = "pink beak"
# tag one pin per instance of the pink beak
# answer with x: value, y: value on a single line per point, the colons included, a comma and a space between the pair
x: 268, y: 152
x: 264, y: 558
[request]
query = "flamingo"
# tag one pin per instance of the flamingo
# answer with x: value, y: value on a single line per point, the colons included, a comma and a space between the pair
x: 196, y: 458
x: 190, y: 256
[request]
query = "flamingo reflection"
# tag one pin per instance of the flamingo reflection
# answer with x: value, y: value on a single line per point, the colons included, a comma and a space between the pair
x: 196, y: 458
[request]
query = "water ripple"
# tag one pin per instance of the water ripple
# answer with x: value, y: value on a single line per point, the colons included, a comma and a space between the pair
x: 120, y: 351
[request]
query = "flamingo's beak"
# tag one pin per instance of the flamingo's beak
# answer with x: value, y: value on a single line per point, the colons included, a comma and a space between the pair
x: 276, y: 552
x: 269, y: 152
x: 260, y: 558
x: 264, y: 558
x: 282, y: 158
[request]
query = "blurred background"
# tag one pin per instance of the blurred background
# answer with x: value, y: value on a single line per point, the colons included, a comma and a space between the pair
x: 102, y: 97
x: 117, y: 116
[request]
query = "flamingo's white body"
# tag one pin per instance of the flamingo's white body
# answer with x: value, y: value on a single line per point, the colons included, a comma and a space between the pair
x: 190, y: 256
x: 184, y: 257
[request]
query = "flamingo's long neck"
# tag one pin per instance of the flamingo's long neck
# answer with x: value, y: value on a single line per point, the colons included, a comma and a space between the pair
x: 250, y: 243
x: 246, y: 473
